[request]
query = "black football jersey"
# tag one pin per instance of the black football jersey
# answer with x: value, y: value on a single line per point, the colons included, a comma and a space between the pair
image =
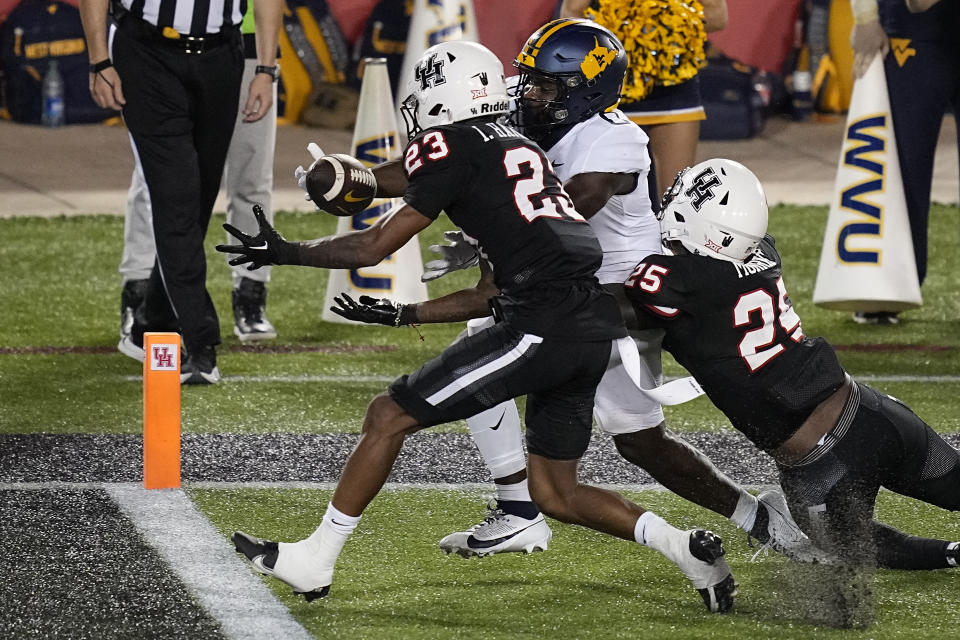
x: 733, y: 327
x: 500, y: 189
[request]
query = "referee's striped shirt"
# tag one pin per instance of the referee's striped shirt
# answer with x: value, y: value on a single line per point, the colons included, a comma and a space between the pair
x: 189, y: 17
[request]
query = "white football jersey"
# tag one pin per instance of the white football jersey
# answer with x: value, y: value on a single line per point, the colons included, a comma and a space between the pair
x: 626, y: 226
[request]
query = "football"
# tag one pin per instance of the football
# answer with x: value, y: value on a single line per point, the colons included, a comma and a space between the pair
x: 341, y: 185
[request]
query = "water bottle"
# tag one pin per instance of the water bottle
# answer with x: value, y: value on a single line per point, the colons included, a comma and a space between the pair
x: 802, y: 96
x: 52, y: 114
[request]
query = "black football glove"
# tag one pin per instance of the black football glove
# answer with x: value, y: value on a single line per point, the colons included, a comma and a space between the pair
x: 267, y: 247
x: 373, y: 310
x: 456, y: 254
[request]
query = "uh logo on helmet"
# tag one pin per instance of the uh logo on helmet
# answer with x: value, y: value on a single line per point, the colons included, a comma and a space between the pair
x: 586, y: 62
x: 454, y: 81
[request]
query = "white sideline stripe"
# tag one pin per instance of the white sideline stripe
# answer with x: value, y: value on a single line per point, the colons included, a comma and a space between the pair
x: 348, y: 378
x: 211, y: 571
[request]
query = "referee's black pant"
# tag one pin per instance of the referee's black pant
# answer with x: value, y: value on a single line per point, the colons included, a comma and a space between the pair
x: 180, y: 111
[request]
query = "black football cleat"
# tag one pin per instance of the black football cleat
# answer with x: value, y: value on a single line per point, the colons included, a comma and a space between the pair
x: 263, y: 555
x: 719, y: 598
x: 706, y: 546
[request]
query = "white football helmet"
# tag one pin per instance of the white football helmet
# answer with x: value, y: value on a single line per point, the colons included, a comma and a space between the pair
x: 717, y: 209
x: 454, y: 81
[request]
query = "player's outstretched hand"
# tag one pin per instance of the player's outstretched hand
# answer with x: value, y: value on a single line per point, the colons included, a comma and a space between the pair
x: 371, y: 310
x: 267, y: 247
x: 458, y: 254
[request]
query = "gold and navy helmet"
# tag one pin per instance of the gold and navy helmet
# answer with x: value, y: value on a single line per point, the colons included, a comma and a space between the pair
x: 586, y: 61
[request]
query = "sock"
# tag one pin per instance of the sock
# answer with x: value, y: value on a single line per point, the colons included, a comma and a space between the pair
x: 897, y: 550
x: 335, y: 527
x: 516, y: 492
x: 651, y: 530
x: 746, y: 512
x: 760, y: 530
x: 524, y: 509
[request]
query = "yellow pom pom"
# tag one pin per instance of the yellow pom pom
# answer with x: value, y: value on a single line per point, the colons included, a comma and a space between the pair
x: 663, y: 40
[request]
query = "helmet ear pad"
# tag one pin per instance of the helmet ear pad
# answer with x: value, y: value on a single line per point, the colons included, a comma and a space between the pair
x: 716, y: 208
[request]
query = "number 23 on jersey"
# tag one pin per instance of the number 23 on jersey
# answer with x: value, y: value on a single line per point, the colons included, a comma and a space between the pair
x: 531, y: 196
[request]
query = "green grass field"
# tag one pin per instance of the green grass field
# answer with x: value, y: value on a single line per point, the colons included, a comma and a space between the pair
x: 60, y: 374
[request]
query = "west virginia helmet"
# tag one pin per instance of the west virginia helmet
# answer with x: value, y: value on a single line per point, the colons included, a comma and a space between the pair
x: 454, y: 81
x: 716, y: 208
x: 587, y: 63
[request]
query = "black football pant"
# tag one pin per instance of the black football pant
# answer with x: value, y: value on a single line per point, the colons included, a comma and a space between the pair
x: 833, y: 498
x: 180, y: 111
x: 475, y: 373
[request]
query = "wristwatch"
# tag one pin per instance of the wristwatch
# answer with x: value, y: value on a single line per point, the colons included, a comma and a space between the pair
x: 273, y: 72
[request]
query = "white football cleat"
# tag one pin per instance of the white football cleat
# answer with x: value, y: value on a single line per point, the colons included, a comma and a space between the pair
x: 293, y: 563
x: 699, y: 554
x: 783, y: 535
x: 500, y: 532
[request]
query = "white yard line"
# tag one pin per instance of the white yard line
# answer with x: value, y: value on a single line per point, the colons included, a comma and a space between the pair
x: 320, y: 486
x: 391, y: 378
x: 906, y: 378
x: 206, y: 564
x: 295, y: 378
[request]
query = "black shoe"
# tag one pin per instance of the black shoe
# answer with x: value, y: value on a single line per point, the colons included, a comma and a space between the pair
x: 249, y: 312
x: 130, y: 298
x: 876, y: 317
x: 953, y: 554
x: 199, y: 366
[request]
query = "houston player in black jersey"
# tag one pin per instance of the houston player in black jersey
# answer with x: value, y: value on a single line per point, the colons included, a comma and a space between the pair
x: 553, y: 341
x: 729, y: 321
